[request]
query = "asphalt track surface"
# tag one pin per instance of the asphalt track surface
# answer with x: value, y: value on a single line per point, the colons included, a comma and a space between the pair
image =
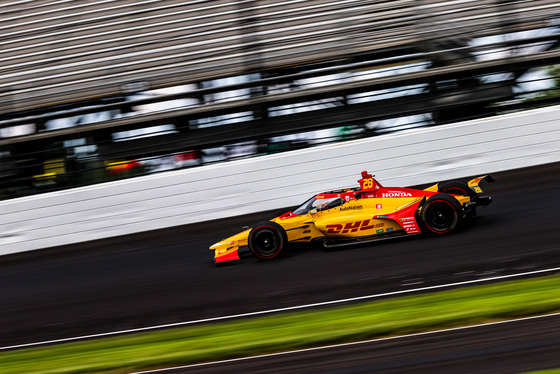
x: 168, y: 276
x: 513, y: 347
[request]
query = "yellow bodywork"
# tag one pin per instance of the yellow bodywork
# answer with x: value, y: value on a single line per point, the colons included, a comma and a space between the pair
x: 230, y: 246
x: 357, y: 221
x: 356, y: 218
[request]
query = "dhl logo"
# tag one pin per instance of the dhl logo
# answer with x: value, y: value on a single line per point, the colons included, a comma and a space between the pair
x: 352, y: 227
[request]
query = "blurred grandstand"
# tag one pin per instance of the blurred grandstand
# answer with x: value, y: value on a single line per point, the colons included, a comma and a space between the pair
x: 101, y: 90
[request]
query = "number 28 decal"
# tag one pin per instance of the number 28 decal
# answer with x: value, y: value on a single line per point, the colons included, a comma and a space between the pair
x: 367, y: 183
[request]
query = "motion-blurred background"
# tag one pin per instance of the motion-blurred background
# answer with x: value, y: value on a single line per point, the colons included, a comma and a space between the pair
x: 93, y: 91
x: 134, y: 134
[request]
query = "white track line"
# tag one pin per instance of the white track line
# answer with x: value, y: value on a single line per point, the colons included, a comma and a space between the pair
x: 270, y: 311
x: 346, y: 344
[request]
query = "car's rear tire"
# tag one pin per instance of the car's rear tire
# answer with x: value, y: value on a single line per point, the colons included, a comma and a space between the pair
x: 462, y: 189
x: 457, y: 188
x: 267, y: 239
x: 441, y: 214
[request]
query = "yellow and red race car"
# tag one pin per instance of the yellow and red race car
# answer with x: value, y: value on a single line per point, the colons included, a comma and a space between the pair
x: 361, y: 214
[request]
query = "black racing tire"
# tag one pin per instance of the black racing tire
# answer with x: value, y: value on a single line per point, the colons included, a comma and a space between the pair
x: 267, y: 239
x: 441, y: 214
x: 457, y: 188
x: 462, y: 189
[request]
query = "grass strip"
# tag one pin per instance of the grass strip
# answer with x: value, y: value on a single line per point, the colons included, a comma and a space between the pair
x: 293, y: 330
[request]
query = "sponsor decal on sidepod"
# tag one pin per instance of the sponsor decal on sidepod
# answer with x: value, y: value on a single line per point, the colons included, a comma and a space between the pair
x: 396, y: 194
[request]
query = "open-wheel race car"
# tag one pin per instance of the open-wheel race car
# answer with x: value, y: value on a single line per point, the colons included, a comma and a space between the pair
x: 361, y: 214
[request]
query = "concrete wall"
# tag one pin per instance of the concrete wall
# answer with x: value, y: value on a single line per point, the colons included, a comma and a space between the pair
x: 268, y: 182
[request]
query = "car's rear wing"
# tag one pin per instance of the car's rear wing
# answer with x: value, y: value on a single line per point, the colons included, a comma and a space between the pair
x: 473, y: 183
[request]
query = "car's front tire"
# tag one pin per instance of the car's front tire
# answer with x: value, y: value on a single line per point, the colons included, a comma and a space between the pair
x: 267, y: 239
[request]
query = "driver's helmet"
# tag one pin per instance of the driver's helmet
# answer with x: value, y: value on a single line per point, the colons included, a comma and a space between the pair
x: 321, y: 206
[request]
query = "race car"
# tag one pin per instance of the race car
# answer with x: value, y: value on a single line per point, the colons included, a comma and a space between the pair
x: 361, y: 214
